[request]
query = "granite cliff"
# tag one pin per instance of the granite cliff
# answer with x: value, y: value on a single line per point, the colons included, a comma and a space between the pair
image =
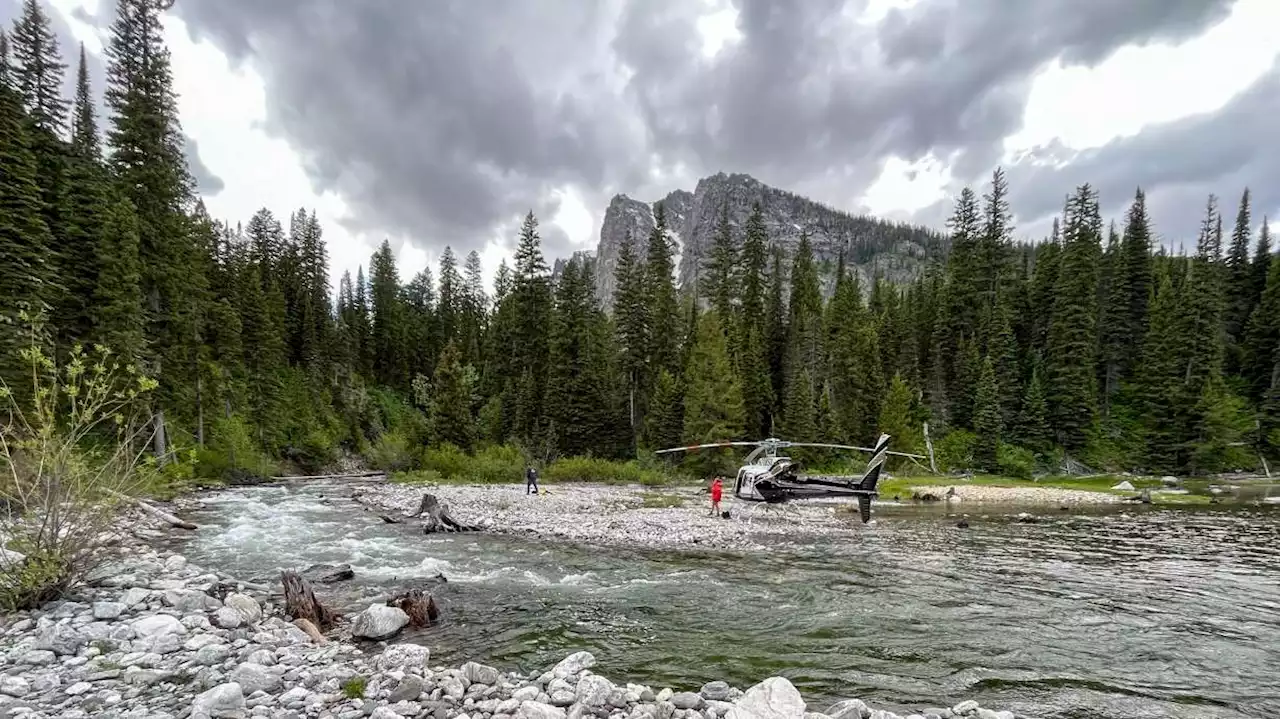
x: 894, y: 250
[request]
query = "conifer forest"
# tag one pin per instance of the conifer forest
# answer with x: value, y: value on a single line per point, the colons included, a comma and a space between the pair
x: 1096, y: 346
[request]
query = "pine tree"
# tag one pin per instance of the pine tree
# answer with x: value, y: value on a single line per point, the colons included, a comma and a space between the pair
x: 577, y: 392
x: 987, y: 420
x: 775, y: 337
x: 531, y: 315
x: 24, y: 236
x: 450, y: 416
x: 631, y: 316
x: 118, y: 318
x: 897, y: 418
x: 360, y: 324
x: 38, y: 68
x: 665, y: 423
x: 662, y: 308
x: 84, y: 122
x: 854, y: 362
x: 751, y: 338
x: 388, y: 330
x: 723, y: 268
x: 713, y: 408
x: 1241, y: 294
x: 1262, y: 335
x: 1162, y: 385
x: 449, y: 306
x: 1073, y: 339
x: 1032, y: 429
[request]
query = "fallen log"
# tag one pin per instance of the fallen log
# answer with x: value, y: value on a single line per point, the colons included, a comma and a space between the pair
x: 300, y: 602
x: 389, y: 519
x: 160, y: 514
x: 419, y: 605
x: 353, y: 475
x: 435, y: 517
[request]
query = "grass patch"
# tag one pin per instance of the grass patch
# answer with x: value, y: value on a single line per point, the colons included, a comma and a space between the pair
x: 653, y: 500
x: 353, y: 688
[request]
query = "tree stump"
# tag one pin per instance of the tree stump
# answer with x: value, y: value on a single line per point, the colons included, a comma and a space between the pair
x: 419, y: 605
x: 300, y: 602
x: 435, y: 517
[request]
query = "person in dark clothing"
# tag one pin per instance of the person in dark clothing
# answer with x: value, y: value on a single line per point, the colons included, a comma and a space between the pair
x: 531, y: 481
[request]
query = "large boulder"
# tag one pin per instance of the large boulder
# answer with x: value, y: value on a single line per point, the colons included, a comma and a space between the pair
x: 574, y: 664
x: 224, y: 700
x: 773, y: 698
x: 328, y: 573
x: 404, y: 657
x: 246, y: 606
x: 378, y: 622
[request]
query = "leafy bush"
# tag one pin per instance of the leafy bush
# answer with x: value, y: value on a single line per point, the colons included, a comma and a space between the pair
x: 1015, y: 461
x: 68, y: 459
x: 498, y: 464
x: 390, y: 453
x: 955, y: 451
x: 353, y: 688
x: 231, y: 454
x: 591, y: 469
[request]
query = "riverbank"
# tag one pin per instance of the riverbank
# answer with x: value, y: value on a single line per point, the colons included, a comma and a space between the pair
x: 158, y: 637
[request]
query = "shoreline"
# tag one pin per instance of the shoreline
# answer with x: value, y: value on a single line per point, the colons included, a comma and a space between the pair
x: 678, y: 517
x: 158, y: 637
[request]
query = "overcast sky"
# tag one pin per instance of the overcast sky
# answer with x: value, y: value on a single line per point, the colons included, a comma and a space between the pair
x: 434, y: 122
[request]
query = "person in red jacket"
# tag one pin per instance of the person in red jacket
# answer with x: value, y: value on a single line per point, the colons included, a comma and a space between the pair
x: 716, y: 489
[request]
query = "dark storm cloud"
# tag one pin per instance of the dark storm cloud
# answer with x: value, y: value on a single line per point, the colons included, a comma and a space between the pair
x: 207, y: 183
x: 446, y: 119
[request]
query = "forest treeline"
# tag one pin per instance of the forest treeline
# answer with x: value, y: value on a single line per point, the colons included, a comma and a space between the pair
x: 1096, y: 344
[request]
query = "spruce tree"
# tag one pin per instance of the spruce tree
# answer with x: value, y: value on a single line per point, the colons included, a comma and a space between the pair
x: 897, y: 417
x: 723, y: 268
x: 449, y: 306
x: 450, y: 415
x: 1162, y: 385
x: 751, y: 333
x: 578, y: 402
x: 24, y: 236
x: 387, y: 333
x: 630, y: 312
x: 1073, y: 339
x: 1262, y: 335
x: 854, y: 362
x: 663, y: 309
x: 1032, y: 428
x: 987, y: 420
x: 713, y: 408
x: 119, y: 321
x: 665, y: 423
x: 775, y: 336
x: 360, y: 324
x: 532, y: 307
x: 38, y: 69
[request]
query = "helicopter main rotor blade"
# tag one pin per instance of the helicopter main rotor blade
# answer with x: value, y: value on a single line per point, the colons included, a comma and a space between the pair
x: 693, y: 447
x: 860, y: 449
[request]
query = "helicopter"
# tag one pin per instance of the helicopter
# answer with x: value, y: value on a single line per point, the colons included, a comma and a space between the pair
x: 767, y: 478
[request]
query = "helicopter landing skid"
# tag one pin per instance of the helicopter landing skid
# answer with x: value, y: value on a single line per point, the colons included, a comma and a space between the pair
x: 772, y: 510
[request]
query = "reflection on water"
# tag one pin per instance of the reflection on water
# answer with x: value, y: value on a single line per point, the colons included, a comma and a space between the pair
x: 1128, y: 614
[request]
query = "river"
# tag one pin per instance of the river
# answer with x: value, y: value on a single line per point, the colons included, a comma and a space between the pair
x: 1126, y: 614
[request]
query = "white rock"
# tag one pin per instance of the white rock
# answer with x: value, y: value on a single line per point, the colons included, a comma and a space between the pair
x: 108, y: 610
x: 403, y: 657
x: 255, y: 678
x: 385, y: 713
x: 78, y: 688
x: 59, y: 638
x: 13, y: 686
x: 1125, y: 486
x: 379, y: 622
x: 965, y: 708
x: 248, y: 607
x: 157, y: 625
x: 524, y: 694
x: 594, y: 690
x: 478, y: 673
x: 538, y: 710
x: 227, y: 618
x: 212, y: 654
x: 574, y: 664
x: 849, y: 709
x: 176, y: 563
x: 201, y: 640
x: 135, y: 596
x: 773, y: 698
x: 188, y: 600
x: 452, y: 687
x: 224, y: 700
x: 686, y: 700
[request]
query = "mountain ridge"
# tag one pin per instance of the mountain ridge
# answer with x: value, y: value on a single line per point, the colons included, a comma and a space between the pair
x: 896, y: 250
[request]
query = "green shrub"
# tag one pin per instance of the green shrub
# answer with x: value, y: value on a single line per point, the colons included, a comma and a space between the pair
x: 353, y: 688
x: 68, y: 461
x: 390, y: 453
x: 445, y: 460
x: 417, y: 476
x: 955, y: 451
x: 1016, y: 462
x: 231, y: 454
x: 591, y: 469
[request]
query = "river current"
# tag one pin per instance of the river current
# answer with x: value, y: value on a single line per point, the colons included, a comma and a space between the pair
x: 1126, y: 614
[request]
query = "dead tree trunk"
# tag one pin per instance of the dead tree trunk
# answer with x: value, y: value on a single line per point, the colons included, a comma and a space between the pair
x: 435, y: 517
x: 154, y: 511
x: 301, y: 603
x: 419, y: 605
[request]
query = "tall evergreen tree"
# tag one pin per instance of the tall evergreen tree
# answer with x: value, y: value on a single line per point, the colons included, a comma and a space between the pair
x: 854, y: 362
x: 532, y: 307
x: 450, y: 417
x: 631, y: 317
x: 663, y: 308
x: 987, y: 418
x: 1073, y: 339
x: 38, y: 68
x: 390, y: 366
x: 665, y: 423
x: 578, y: 403
x: 1242, y: 296
x: 753, y: 364
x: 897, y: 416
x: 713, y: 400
x: 118, y: 318
x: 723, y: 268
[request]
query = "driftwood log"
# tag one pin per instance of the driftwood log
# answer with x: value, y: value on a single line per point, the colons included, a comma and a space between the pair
x: 435, y: 517
x: 389, y: 519
x: 160, y: 514
x: 300, y: 602
x: 419, y: 605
